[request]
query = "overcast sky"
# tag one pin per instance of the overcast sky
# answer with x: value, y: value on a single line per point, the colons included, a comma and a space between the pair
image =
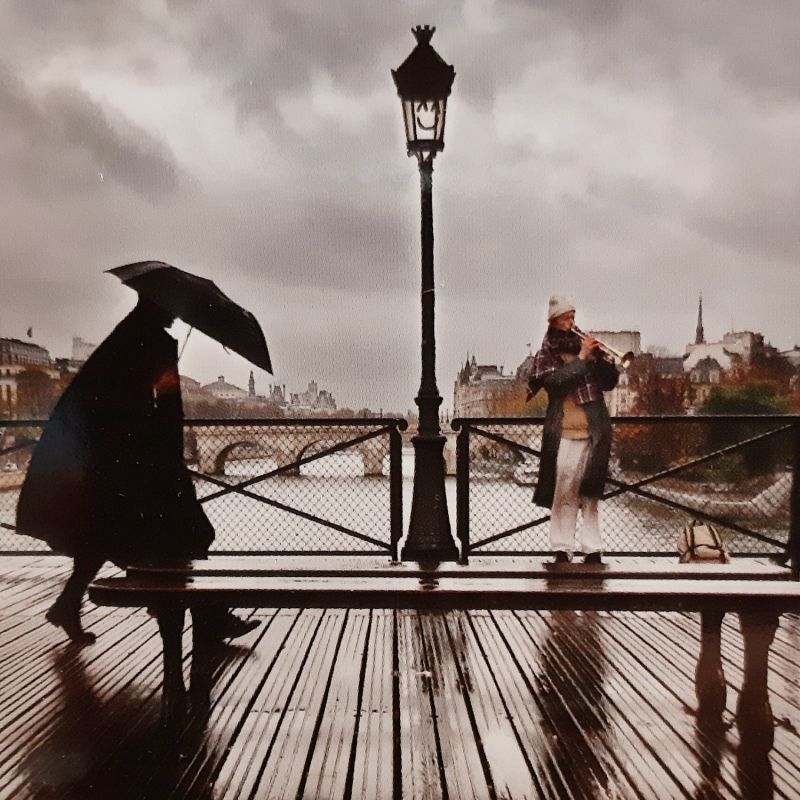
x: 627, y: 153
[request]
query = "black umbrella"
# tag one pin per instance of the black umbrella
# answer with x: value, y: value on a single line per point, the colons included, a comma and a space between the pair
x: 199, y: 303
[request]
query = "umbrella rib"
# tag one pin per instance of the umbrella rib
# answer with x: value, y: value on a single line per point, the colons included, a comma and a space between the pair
x: 185, y: 341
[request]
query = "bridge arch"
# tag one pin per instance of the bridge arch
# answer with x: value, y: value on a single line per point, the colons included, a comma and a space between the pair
x: 220, y: 458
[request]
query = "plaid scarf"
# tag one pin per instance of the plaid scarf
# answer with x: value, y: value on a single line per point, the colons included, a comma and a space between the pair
x: 548, y: 360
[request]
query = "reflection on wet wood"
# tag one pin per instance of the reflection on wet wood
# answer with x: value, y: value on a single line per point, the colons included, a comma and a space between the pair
x: 398, y: 704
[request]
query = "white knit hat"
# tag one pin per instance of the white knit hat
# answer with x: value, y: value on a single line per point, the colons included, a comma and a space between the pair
x: 557, y: 306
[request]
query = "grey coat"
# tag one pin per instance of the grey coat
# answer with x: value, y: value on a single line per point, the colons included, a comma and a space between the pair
x: 558, y: 384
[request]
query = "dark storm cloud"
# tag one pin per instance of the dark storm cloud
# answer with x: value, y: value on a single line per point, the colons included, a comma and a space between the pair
x: 34, y: 30
x: 263, y: 50
x: 321, y: 243
x: 121, y: 150
x: 627, y: 152
x: 64, y: 142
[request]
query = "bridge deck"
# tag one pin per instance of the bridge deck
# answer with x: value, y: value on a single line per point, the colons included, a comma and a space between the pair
x: 385, y: 704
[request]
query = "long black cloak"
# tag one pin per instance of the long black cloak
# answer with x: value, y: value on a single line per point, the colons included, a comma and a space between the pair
x: 107, y: 476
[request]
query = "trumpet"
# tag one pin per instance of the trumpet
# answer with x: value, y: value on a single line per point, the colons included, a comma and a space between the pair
x: 609, y: 353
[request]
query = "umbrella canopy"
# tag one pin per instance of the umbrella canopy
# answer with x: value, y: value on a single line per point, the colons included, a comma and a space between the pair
x: 199, y: 303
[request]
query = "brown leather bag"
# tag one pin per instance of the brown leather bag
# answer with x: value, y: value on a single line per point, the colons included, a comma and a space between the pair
x: 700, y: 541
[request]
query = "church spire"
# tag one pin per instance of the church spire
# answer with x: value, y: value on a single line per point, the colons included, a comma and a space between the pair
x: 699, y: 335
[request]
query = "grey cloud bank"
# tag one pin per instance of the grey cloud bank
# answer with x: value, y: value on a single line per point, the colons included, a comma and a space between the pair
x: 629, y: 154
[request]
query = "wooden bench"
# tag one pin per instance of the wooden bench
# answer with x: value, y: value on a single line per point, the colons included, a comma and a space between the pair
x: 759, y: 593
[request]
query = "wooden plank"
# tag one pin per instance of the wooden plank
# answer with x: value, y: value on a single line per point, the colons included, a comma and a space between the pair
x: 98, y: 706
x: 231, y: 697
x: 327, y: 772
x: 537, y: 653
x: 462, y: 758
x: 520, y: 701
x: 783, y: 693
x: 421, y: 769
x: 666, y: 703
x: 38, y: 679
x: 505, y: 762
x: 285, y: 767
x: 86, y: 716
x: 287, y: 648
x: 479, y: 567
x: 373, y: 768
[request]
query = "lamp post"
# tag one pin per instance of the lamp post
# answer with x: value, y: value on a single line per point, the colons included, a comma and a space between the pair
x: 423, y: 83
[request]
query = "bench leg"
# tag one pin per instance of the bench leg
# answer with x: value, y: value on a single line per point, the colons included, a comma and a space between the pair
x: 710, y: 686
x: 170, y: 624
x: 205, y: 640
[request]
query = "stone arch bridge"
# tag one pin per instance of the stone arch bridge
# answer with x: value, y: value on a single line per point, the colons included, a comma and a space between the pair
x: 210, y: 446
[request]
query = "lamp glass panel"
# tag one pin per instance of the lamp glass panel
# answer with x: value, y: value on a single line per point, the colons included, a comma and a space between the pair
x: 428, y: 120
x: 409, y: 120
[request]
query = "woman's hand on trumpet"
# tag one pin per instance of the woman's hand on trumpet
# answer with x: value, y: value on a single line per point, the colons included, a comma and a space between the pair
x: 590, y: 348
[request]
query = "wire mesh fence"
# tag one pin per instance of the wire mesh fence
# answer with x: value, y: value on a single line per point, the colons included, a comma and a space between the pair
x: 302, y: 486
x: 735, y: 472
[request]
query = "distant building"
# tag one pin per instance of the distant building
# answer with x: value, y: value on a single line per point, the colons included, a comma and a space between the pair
x: 313, y: 399
x: 277, y: 394
x: 192, y: 390
x: 792, y: 356
x: 17, y: 356
x: 484, y: 390
x: 81, y: 350
x: 704, y: 376
x: 736, y: 351
x: 15, y: 352
x: 224, y: 391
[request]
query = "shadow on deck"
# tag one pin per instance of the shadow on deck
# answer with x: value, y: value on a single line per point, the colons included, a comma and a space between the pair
x: 389, y: 704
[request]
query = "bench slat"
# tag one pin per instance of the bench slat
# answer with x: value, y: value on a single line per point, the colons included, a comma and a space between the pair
x: 445, y: 593
x: 484, y: 567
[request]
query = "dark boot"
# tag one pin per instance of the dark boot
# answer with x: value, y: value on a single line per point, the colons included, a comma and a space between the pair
x: 222, y: 623
x: 62, y: 616
x: 66, y: 611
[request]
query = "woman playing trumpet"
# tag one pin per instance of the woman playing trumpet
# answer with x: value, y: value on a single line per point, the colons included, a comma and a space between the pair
x: 573, y: 369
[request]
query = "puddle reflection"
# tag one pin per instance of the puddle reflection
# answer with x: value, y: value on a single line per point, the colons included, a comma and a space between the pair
x: 754, y: 718
x: 112, y: 746
x: 572, y: 694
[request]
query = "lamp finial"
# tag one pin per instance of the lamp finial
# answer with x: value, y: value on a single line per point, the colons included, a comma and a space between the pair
x: 423, y: 33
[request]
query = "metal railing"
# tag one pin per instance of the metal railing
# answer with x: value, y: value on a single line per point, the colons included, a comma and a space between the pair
x: 335, y: 486
x: 737, y: 472
x: 310, y: 486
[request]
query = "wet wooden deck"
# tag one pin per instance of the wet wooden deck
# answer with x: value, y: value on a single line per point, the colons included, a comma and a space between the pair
x: 382, y: 704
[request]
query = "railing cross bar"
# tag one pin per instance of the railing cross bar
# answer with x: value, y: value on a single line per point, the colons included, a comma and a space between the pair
x: 296, y: 511
x: 234, y: 487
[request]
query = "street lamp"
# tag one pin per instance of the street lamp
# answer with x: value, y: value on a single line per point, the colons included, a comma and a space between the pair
x: 423, y: 83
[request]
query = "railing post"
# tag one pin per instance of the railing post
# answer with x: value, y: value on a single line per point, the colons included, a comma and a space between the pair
x: 793, y: 545
x: 462, y: 491
x: 395, y: 489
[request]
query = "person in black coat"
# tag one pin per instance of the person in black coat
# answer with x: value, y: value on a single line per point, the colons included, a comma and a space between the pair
x: 576, y: 437
x: 107, y: 480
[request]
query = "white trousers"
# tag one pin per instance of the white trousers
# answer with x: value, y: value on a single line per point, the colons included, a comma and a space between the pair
x: 573, y: 457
